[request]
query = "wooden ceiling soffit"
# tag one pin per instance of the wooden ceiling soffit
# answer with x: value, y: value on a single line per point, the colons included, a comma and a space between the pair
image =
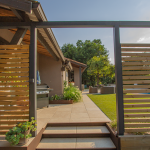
x: 9, y: 19
x: 18, y: 4
x: 6, y: 12
x: 42, y: 40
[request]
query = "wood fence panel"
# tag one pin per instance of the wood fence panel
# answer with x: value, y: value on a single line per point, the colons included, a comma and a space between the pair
x: 14, y: 85
x: 136, y: 86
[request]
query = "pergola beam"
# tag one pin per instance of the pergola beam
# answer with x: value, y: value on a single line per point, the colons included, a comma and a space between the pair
x: 77, y: 24
x: 92, y: 24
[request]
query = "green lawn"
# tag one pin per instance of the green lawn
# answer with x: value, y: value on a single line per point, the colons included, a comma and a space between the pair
x: 106, y: 102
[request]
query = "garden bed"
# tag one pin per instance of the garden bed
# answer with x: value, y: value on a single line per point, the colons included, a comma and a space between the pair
x: 61, y: 102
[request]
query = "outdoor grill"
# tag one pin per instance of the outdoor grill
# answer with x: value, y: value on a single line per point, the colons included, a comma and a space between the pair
x: 43, y: 95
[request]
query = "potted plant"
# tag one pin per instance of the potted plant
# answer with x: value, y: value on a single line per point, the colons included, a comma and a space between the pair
x: 20, y: 134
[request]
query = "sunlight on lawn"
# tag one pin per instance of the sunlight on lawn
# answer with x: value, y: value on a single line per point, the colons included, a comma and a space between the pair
x: 106, y: 102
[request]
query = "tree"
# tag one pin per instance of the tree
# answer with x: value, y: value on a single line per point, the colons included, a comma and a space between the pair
x: 98, y: 67
x: 83, y: 52
x: 69, y: 51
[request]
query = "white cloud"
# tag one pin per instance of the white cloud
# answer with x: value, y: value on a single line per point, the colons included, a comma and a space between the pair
x: 140, y: 40
x: 143, y: 40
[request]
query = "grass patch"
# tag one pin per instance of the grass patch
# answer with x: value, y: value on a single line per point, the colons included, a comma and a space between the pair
x: 106, y: 102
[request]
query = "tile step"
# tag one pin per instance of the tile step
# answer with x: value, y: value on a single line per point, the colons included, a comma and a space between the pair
x: 76, y: 143
x: 76, y: 129
x: 60, y: 124
x: 75, y: 135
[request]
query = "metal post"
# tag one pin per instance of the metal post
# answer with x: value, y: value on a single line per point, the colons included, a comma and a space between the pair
x: 80, y: 77
x: 33, y: 74
x: 118, y: 80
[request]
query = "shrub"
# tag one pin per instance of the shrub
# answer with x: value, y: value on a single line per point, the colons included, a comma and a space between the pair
x: 55, y: 97
x: 72, y: 93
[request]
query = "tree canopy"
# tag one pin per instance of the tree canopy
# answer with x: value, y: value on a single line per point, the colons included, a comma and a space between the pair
x: 84, y: 52
x: 100, y: 67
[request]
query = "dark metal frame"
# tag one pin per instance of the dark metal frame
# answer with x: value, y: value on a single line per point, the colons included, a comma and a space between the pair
x: 80, y: 78
x: 33, y: 75
x: 79, y: 24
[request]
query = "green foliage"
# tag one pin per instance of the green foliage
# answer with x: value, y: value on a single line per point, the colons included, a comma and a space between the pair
x: 16, y: 133
x: 55, y: 97
x: 83, y: 52
x: 65, y: 83
x: 114, y: 124
x: 100, y: 67
x: 72, y: 93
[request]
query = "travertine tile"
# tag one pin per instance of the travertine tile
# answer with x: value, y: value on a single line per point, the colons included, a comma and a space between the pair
x: 80, y: 120
x: 57, y: 143
x: 92, y: 129
x: 61, y: 115
x: 94, y: 143
x: 59, y: 120
x: 79, y: 115
x: 78, y: 110
x: 71, y: 129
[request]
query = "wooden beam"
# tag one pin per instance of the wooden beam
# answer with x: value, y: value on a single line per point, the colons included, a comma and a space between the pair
x: 18, y: 37
x: 18, y: 13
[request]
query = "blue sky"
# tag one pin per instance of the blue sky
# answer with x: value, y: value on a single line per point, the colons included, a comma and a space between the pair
x: 83, y: 10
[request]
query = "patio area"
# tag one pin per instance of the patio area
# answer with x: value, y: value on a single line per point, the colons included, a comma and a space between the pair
x: 84, y: 111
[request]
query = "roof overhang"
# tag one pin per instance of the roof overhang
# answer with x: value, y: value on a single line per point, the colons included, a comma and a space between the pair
x: 45, y: 35
x: 77, y: 64
x: 22, y: 5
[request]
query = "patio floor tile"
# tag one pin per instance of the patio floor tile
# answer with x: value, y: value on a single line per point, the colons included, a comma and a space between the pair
x: 78, y: 110
x: 79, y: 115
x: 61, y: 115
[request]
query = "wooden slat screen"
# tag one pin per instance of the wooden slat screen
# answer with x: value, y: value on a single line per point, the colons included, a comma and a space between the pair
x: 14, y: 85
x: 136, y: 86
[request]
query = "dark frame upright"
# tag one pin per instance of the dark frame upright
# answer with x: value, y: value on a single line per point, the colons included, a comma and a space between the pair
x: 80, y: 77
x: 118, y: 80
x: 33, y: 74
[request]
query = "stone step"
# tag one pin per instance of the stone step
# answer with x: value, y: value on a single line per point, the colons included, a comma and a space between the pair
x: 76, y: 132
x: 76, y: 144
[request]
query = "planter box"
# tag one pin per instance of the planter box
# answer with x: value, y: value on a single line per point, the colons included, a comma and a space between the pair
x: 61, y: 102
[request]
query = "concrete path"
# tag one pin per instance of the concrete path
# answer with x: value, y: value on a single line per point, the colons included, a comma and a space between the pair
x: 85, y: 111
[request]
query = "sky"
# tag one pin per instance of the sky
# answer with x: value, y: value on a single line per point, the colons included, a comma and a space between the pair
x: 98, y: 10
